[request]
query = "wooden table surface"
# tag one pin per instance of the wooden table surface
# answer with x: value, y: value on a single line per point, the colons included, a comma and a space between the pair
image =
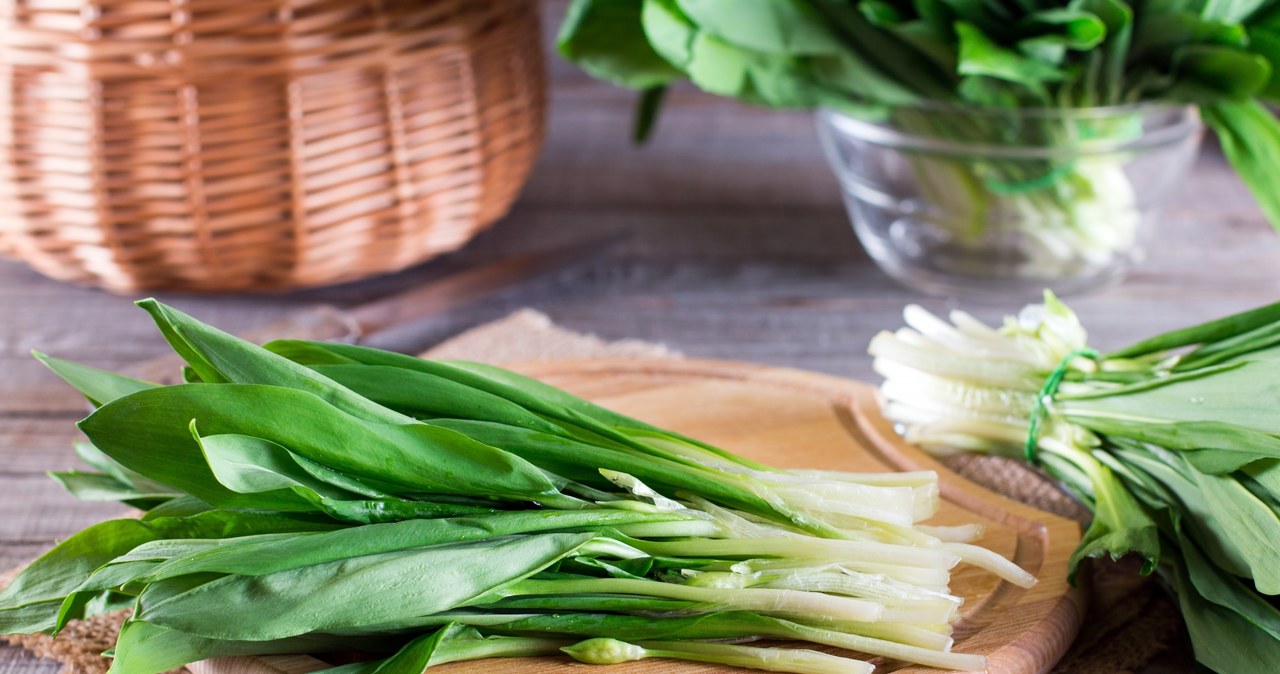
x: 740, y: 249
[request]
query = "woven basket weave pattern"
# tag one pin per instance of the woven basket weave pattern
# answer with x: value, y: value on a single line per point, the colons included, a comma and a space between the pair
x: 245, y: 144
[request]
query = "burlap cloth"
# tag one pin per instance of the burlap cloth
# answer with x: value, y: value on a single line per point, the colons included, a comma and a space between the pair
x: 1129, y: 621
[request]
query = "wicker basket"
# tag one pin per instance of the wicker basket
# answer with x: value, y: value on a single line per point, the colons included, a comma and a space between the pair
x: 259, y: 145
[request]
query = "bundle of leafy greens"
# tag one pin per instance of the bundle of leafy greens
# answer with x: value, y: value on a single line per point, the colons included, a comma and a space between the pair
x: 944, y: 69
x: 310, y: 497
x: 1173, y: 442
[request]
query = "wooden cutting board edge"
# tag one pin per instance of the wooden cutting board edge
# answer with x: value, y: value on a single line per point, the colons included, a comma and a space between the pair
x: 1052, y: 611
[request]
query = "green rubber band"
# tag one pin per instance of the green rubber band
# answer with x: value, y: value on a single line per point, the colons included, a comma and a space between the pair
x: 1035, y: 184
x: 1046, y: 394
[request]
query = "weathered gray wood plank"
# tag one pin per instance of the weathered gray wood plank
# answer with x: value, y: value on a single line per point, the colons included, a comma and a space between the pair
x: 41, y: 512
x: 16, y: 661
x: 30, y: 446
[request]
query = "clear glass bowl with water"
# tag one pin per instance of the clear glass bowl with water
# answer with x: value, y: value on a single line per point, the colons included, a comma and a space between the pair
x: 991, y: 201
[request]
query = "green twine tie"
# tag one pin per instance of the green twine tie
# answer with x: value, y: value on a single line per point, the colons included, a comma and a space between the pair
x: 1046, y: 394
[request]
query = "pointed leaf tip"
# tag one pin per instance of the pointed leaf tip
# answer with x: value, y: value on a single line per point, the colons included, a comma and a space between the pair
x: 98, y: 386
x: 172, y: 324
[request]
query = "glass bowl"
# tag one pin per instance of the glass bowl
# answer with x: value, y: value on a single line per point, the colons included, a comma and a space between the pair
x: 990, y: 201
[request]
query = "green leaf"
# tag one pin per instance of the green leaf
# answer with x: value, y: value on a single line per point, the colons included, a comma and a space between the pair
x: 1225, y: 590
x: 1231, y: 11
x: 250, y: 465
x: 425, y: 395
x: 182, y: 506
x: 781, y: 27
x: 992, y: 93
x: 375, y: 511
x: 939, y: 48
x: 98, y: 386
x: 1077, y: 30
x: 452, y: 643
x: 1117, y: 16
x: 1230, y: 349
x: 768, y: 76
x: 167, y: 320
x: 1211, y: 446
x: 582, y: 462
x: 1267, y: 474
x: 1251, y: 526
x: 351, y: 592
x: 567, y: 408
x: 107, y: 579
x: 526, y: 392
x: 851, y: 74
x: 939, y: 16
x: 1050, y: 49
x: 101, y: 487
x: 880, y: 14
x: 47, y: 581
x: 1240, y: 394
x: 669, y: 31
x: 95, y: 458
x: 889, y: 56
x: 720, y: 625
x: 143, y: 648
x: 532, y: 395
x: 720, y: 67
x: 606, y: 39
x: 1120, y: 525
x: 593, y: 603
x: 222, y: 358
x: 1209, y: 331
x: 1266, y: 43
x: 1221, y: 462
x: 1264, y: 39
x: 648, y: 109
x: 260, y: 555
x: 1159, y: 34
x: 1188, y: 502
x: 1209, y: 73
x: 978, y: 13
x: 247, y: 465
x: 980, y: 56
x: 935, y: 41
x: 1250, y: 138
x: 1222, y: 638
x: 414, y: 457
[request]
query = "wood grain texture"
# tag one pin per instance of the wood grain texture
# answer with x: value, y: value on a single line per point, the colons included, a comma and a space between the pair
x: 795, y: 419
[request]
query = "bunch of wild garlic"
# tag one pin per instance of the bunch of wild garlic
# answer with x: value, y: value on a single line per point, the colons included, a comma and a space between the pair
x: 961, y: 72
x: 1173, y: 442
x: 310, y: 497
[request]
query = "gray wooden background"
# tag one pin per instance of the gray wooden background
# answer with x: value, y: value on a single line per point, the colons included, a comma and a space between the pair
x: 740, y: 249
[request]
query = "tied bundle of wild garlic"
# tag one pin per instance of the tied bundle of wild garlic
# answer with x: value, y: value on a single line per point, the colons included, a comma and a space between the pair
x: 1173, y: 442
x: 310, y: 497
x: 949, y: 70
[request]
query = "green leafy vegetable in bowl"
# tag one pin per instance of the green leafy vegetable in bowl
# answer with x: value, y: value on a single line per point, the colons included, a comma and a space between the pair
x: 1173, y: 443
x: 312, y: 497
x: 969, y: 72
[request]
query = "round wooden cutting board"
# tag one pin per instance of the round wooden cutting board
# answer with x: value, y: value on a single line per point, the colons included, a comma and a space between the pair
x: 795, y: 419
